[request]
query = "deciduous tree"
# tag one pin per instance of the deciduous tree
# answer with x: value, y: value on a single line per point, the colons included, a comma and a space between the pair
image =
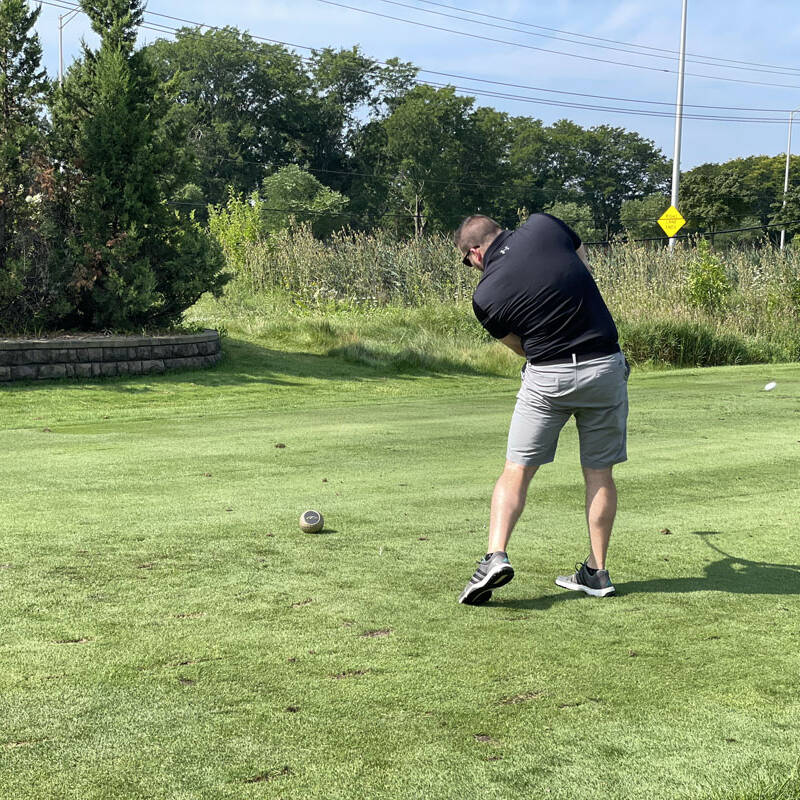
x: 713, y: 199
x: 246, y: 105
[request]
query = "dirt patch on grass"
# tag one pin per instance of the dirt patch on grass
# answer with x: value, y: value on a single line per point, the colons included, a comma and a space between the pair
x: 376, y: 633
x: 581, y: 702
x: 21, y: 743
x: 270, y: 775
x: 521, y: 698
x: 189, y: 661
x: 352, y: 673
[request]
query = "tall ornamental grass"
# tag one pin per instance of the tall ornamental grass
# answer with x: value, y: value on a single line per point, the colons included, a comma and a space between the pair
x: 356, y: 269
x: 695, y: 307
x: 751, y: 310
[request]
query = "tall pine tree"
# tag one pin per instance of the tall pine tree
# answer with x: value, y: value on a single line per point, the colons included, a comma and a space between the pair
x: 23, y: 85
x: 135, y: 262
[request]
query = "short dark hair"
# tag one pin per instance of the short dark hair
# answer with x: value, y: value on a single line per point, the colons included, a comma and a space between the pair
x: 474, y: 231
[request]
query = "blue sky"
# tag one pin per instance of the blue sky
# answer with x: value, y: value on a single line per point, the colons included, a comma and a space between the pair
x: 586, y: 35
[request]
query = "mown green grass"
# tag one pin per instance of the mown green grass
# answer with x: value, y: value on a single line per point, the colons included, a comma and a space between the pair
x: 169, y: 633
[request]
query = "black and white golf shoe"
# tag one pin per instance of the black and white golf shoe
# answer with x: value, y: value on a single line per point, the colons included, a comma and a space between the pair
x: 494, y: 570
x: 596, y: 583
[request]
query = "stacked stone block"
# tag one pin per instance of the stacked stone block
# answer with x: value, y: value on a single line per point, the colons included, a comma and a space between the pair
x: 95, y: 356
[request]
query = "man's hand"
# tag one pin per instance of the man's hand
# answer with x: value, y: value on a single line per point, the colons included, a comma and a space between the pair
x: 513, y: 342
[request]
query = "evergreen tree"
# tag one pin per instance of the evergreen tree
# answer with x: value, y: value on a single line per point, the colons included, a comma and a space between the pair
x: 23, y: 86
x: 135, y: 262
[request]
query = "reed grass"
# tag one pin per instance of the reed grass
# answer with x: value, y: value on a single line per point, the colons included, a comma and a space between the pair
x: 371, y: 296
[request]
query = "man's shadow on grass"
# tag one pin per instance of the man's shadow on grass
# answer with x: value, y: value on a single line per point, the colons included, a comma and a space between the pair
x: 728, y: 574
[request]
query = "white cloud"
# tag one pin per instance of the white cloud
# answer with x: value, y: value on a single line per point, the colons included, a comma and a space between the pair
x: 622, y: 17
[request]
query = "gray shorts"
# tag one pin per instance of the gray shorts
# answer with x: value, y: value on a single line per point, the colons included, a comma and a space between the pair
x: 594, y: 392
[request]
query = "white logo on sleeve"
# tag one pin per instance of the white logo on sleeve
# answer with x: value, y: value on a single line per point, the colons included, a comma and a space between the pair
x: 504, y: 250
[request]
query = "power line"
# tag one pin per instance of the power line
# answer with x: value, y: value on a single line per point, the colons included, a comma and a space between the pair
x: 606, y: 109
x: 536, y: 88
x: 547, y: 102
x: 671, y: 104
x: 775, y: 71
x: 788, y: 70
x: 553, y: 91
x: 554, y: 52
x: 158, y: 28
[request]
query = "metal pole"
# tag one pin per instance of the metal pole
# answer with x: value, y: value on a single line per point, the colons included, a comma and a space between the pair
x: 676, y: 159
x: 60, y: 49
x: 786, y: 174
x: 61, y: 25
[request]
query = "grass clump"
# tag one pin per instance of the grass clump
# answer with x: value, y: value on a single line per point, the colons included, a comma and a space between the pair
x: 680, y: 343
x: 354, y: 269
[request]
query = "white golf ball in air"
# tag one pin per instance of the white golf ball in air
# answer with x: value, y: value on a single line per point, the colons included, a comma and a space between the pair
x: 770, y: 386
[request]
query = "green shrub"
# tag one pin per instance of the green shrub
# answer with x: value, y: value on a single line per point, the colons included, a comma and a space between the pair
x: 236, y: 226
x: 292, y: 195
x: 707, y: 285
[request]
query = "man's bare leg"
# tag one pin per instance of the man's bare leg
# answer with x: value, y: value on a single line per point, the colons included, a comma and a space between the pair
x: 508, y: 500
x: 601, y: 509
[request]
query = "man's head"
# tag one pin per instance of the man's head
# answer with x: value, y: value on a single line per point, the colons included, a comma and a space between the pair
x: 473, y: 238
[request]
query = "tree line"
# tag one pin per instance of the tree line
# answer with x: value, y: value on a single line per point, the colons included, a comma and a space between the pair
x: 108, y: 182
x: 414, y: 158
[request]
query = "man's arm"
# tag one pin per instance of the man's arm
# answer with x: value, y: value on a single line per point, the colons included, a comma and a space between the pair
x: 513, y: 342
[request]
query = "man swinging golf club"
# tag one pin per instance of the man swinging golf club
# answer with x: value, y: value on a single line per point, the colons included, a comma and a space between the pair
x: 537, y: 296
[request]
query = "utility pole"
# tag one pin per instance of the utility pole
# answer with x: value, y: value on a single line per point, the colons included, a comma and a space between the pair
x: 63, y: 20
x: 676, y: 159
x: 786, y: 174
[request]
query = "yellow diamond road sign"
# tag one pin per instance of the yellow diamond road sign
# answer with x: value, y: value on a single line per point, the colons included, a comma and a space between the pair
x: 671, y: 221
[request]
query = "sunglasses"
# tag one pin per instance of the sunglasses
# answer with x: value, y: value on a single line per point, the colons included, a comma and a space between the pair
x: 465, y: 261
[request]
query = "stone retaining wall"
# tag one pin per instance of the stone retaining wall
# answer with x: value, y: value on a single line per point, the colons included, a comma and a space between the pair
x: 96, y: 356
